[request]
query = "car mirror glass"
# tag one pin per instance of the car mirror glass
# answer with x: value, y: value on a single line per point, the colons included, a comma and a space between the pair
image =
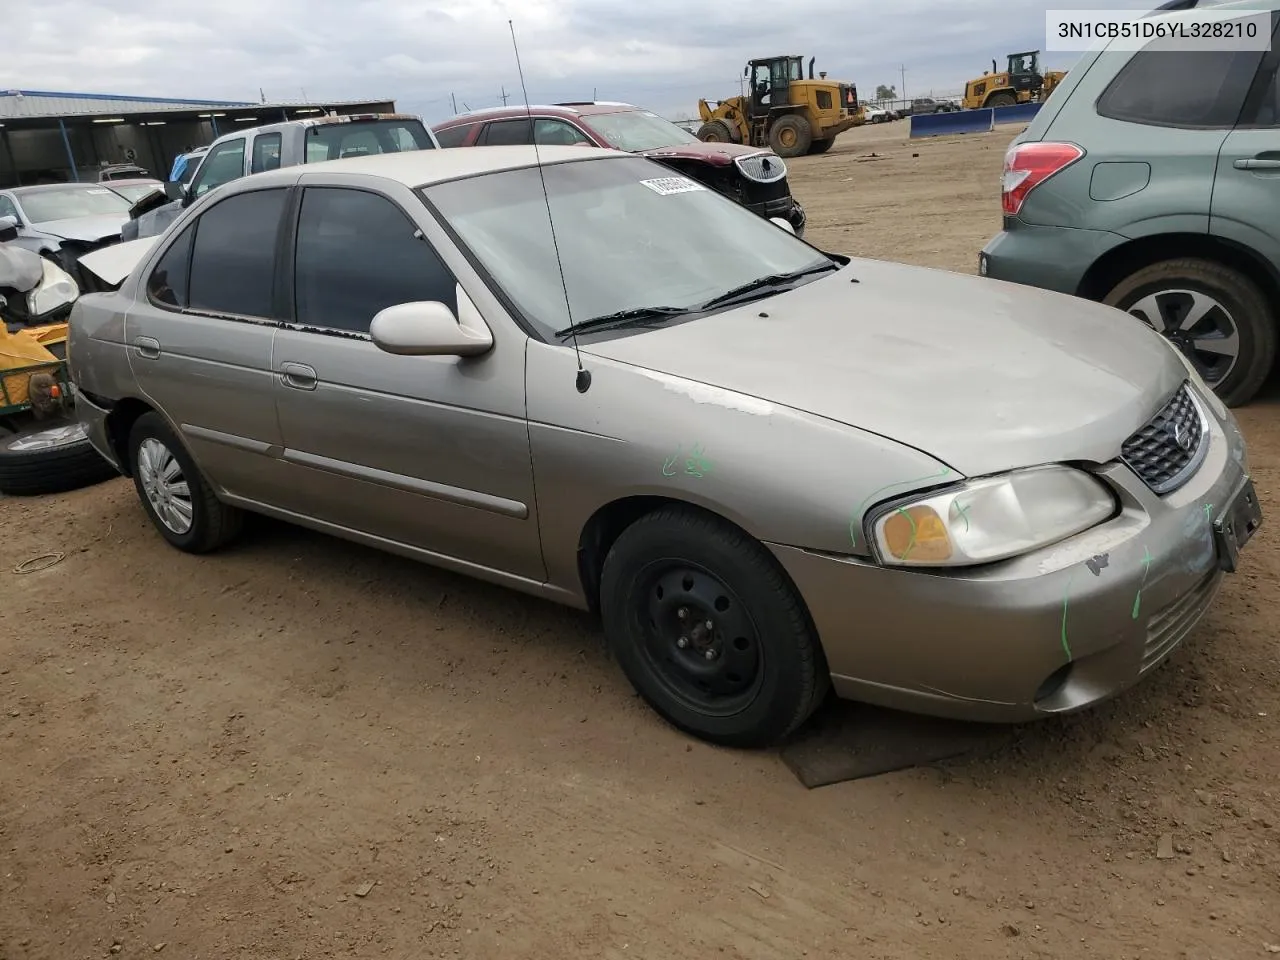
x: 175, y: 191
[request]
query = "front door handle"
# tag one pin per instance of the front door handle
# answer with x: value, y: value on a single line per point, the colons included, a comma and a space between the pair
x: 1257, y: 163
x: 298, y: 375
x: 147, y: 347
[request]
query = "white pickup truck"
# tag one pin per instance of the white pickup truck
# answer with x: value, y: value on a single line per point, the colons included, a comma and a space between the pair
x: 274, y: 145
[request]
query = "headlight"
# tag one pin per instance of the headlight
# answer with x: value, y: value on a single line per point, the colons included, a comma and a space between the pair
x: 56, y: 289
x: 992, y: 518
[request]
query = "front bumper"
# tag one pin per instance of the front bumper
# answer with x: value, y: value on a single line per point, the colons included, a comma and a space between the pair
x: 784, y: 208
x: 1048, y: 633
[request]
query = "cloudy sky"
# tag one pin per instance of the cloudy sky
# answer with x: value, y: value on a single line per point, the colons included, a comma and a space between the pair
x: 663, y: 54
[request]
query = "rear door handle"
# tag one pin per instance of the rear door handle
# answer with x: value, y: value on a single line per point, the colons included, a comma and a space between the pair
x: 298, y: 375
x: 1256, y: 163
x: 147, y: 347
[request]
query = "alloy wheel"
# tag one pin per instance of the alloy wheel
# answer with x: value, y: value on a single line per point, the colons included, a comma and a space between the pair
x: 1198, y: 325
x: 165, y: 486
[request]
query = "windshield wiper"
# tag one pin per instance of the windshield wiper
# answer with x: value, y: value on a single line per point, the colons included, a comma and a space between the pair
x: 622, y: 318
x: 766, y: 283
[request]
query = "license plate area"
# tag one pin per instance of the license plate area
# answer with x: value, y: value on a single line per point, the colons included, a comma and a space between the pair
x: 1236, y: 525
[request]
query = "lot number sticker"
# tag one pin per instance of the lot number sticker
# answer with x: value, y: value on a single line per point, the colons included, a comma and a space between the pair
x: 666, y: 186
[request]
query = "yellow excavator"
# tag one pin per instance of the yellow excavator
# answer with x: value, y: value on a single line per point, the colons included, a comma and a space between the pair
x: 783, y: 110
x: 1021, y: 82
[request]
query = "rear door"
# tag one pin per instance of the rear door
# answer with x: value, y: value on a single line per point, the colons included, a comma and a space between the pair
x: 1246, y: 190
x: 199, y: 338
x: 516, y: 132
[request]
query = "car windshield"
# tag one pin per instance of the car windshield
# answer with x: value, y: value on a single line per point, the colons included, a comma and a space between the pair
x: 70, y: 202
x: 630, y: 234
x: 134, y: 192
x: 360, y: 138
x: 637, y: 130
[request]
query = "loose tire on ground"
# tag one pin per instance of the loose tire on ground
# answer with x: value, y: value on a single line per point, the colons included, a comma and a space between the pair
x: 790, y: 135
x: 822, y: 146
x: 1171, y: 285
x: 50, y: 457
x: 664, y: 579
x: 212, y: 523
x: 715, y: 131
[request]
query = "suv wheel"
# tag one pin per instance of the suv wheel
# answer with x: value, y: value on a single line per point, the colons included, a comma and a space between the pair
x: 1215, y: 315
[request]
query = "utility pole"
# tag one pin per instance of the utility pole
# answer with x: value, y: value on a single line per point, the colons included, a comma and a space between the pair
x: 902, y: 73
x: 454, y: 101
x: 504, y: 94
x: 593, y: 95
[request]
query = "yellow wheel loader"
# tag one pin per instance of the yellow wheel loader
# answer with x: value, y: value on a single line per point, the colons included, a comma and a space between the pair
x: 1021, y: 82
x: 782, y: 110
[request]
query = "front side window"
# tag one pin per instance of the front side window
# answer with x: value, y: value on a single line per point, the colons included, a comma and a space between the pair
x: 266, y: 153
x: 7, y: 209
x: 1167, y: 84
x: 637, y: 130
x: 358, y: 253
x: 72, y: 202
x: 234, y: 254
x: 631, y: 234
x: 222, y: 164
x: 548, y: 132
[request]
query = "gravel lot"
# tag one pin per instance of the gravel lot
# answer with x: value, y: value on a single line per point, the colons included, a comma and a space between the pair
x: 299, y: 748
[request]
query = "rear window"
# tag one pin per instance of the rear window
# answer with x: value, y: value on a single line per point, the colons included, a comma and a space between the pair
x: 453, y: 136
x: 1165, y: 86
x: 361, y: 138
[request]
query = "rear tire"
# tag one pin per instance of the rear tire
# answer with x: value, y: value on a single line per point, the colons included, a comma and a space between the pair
x: 1001, y: 100
x: 790, y: 135
x: 174, y: 493
x: 822, y: 146
x: 750, y: 679
x: 1232, y: 343
x: 715, y: 131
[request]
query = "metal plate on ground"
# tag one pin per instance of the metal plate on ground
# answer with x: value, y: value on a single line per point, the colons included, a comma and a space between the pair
x: 850, y: 741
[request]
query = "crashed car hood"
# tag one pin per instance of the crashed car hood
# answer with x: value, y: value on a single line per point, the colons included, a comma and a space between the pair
x: 981, y: 374
x: 85, y: 229
x: 20, y: 269
x: 715, y: 154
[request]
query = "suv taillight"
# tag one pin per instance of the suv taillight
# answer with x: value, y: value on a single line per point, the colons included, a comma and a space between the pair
x: 1028, y: 165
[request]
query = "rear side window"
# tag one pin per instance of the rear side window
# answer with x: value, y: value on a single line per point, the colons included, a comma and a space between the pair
x: 266, y: 153
x: 233, y: 259
x: 502, y: 133
x: 453, y: 136
x: 1168, y: 87
x: 168, y: 281
x: 358, y: 253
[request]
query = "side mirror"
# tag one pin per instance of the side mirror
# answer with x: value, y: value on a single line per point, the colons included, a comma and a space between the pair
x: 429, y: 329
x: 175, y: 190
x: 8, y: 229
x: 784, y: 224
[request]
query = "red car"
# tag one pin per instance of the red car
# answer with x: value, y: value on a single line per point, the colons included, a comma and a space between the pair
x: 754, y: 177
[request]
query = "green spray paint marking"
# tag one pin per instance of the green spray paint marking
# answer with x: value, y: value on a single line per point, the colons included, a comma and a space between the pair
x: 1146, y: 565
x: 912, y: 542
x: 963, y: 510
x: 696, y: 465
x: 1066, y: 596
x: 853, y: 521
x: 1208, y: 512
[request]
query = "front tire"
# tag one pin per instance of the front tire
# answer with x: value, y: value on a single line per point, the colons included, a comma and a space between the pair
x: 790, y: 136
x: 715, y: 131
x: 748, y: 680
x: 1002, y: 100
x: 1217, y: 317
x: 173, y: 491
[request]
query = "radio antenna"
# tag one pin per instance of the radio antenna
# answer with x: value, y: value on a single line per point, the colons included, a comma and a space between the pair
x: 583, y: 380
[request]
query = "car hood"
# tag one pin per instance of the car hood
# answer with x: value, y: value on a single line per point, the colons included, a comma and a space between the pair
x: 715, y: 154
x: 84, y: 229
x: 981, y: 374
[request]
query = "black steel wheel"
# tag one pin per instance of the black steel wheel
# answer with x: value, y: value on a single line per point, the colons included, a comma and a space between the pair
x: 709, y: 629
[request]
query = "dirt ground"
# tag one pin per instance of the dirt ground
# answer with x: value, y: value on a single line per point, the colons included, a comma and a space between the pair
x: 299, y: 748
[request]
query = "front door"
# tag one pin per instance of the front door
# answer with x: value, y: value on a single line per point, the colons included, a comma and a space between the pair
x: 432, y: 452
x: 200, y: 335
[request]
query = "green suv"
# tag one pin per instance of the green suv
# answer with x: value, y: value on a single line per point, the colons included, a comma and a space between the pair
x: 1150, y: 181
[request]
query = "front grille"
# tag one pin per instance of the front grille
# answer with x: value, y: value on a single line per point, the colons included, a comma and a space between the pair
x: 1166, y: 451
x: 1171, y: 625
x: 762, y: 167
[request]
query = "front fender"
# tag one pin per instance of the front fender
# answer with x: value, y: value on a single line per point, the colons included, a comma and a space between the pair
x: 783, y: 475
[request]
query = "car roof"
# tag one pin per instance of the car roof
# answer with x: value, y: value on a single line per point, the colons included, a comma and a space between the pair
x: 52, y: 187
x: 415, y: 168
x: 568, y: 109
